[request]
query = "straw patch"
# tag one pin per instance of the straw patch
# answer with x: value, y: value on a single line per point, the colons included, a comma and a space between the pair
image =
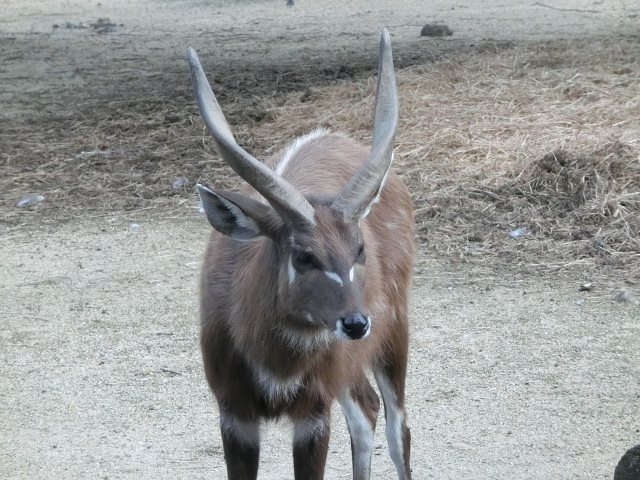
x: 543, y: 139
x: 539, y: 138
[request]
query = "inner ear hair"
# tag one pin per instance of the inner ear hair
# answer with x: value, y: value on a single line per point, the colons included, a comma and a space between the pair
x: 265, y: 217
x: 233, y: 214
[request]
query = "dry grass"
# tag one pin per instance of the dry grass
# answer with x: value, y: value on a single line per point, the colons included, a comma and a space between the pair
x: 543, y: 137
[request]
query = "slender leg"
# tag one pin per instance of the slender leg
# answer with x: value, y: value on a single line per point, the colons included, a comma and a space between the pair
x: 391, y: 384
x: 310, y: 445
x: 241, y: 443
x: 360, y: 405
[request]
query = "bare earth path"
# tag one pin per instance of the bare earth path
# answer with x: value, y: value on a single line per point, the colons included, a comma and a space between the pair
x: 510, y: 377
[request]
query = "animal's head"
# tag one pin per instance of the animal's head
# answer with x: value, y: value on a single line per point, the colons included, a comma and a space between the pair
x: 320, y: 246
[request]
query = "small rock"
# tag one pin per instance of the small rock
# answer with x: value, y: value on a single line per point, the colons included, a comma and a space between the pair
x: 29, y: 199
x: 579, y: 302
x: 134, y: 225
x: 586, y: 287
x: 74, y: 25
x: 519, y: 231
x: 624, y: 296
x: 172, y: 118
x: 179, y: 182
x: 435, y: 30
x: 628, y: 467
x: 104, y: 25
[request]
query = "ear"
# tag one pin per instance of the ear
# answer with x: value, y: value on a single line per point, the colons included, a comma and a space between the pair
x: 233, y: 214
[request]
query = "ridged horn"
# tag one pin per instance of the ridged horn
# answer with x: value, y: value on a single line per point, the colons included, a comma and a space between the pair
x: 280, y: 194
x: 363, y: 188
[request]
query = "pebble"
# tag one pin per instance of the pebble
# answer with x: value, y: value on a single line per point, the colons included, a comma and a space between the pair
x: 179, y: 182
x: 28, y: 199
x: 629, y: 466
x: 435, y: 30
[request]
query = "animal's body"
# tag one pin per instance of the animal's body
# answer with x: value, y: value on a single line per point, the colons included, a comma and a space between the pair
x: 304, y: 288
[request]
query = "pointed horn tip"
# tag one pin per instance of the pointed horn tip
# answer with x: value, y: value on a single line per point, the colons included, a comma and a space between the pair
x: 385, y: 39
x: 385, y: 54
x: 192, y: 58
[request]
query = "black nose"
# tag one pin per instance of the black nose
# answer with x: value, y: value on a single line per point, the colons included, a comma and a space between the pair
x: 356, y: 326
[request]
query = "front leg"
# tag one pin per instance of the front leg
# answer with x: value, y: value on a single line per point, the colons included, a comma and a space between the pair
x: 391, y: 383
x: 310, y: 445
x: 241, y: 443
x: 360, y: 405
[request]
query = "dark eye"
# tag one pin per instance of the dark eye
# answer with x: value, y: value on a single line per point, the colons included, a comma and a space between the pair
x: 303, y: 260
x: 361, y: 254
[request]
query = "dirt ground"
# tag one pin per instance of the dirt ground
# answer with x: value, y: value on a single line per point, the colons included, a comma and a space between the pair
x: 510, y: 376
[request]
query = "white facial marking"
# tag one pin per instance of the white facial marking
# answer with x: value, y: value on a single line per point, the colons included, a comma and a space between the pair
x: 351, y: 273
x: 308, y: 317
x: 291, y: 271
x: 368, y: 328
x: 394, y: 418
x: 246, y: 432
x: 339, y: 331
x: 335, y: 277
x: 361, y: 433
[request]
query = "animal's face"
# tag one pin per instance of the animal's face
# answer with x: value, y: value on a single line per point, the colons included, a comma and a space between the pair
x: 320, y: 267
x: 322, y: 276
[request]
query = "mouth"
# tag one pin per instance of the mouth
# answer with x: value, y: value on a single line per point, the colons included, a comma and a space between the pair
x: 307, y: 339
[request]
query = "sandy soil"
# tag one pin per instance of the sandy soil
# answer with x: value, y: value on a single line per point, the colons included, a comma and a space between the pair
x: 510, y: 377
